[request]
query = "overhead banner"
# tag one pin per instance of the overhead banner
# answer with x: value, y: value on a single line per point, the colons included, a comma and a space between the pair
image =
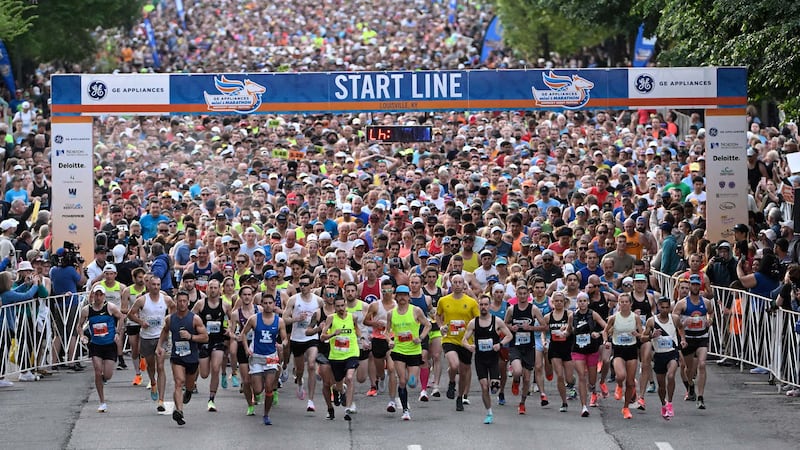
x: 269, y: 93
x: 726, y: 172
x: 72, y: 207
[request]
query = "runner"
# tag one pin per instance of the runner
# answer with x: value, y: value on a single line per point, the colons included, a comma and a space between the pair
x: 697, y: 315
x: 114, y: 290
x: 149, y: 312
x: 587, y: 326
x: 298, y: 313
x: 623, y: 330
x: 643, y: 304
x: 331, y: 396
x: 423, y: 302
x: 665, y: 332
x: 454, y: 311
x: 405, y: 321
x: 240, y: 341
x: 498, y: 309
x: 381, y: 359
x: 212, y: 311
x: 132, y: 329
x: 358, y: 309
x: 269, y: 333
x: 342, y: 328
x: 559, y: 322
x: 105, y: 324
x: 185, y: 331
x: 487, y: 330
x: 522, y: 319
x: 434, y: 292
x: 542, y: 367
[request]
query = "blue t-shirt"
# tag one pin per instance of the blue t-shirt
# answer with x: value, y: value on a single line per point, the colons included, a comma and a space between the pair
x: 65, y: 279
x: 20, y: 194
x: 150, y: 225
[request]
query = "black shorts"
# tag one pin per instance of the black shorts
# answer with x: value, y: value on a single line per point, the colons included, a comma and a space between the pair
x: 340, y: 367
x: 322, y: 359
x: 560, y: 350
x: 241, y: 354
x: 363, y: 355
x: 526, y: 355
x: 626, y: 352
x: 464, y: 355
x: 693, y: 344
x: 486, y: 365
x: 299, y: 348
x: 408, y: 360
x: 380, y: 348
x: 133, y: 330
x: 661, y: 361
x: 191, y: 367
x: 106, y: 352
x: 207, y: 349
x: 426, y: 342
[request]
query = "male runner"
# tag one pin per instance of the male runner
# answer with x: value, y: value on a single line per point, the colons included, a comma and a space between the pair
x: 454, y: 312
x: 665, y: 331
x: 212, y: 311
x: 299, y: 311
x: 697, y: 315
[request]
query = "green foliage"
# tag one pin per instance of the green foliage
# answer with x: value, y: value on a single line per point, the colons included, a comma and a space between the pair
x: 13, y: 19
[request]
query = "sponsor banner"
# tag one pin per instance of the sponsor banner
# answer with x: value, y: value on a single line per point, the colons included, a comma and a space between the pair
x: 73, y: 184
x: 124, y: 89
x: 726, y: 174
x: 399, y: 91
x: 678, y: 82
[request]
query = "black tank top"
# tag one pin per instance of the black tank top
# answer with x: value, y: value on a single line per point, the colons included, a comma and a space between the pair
x: 40, y: 191
x: 600, y: 307
x: 523, y: 338
x: 583, y: 324
x: 212, y: 319
x: 644, y: 306
x: 485, y: 334
x: 324, y: 346
x: 556, y: 325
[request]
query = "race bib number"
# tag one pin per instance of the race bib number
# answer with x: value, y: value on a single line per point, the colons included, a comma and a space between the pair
x: 457, y: 327
x: 522, y: 338
x: 341, y: 344
x: 485, y: 345
x: 272, y: 360
x: 559, y: 336
x: 626, y: 339
x: 695, y: 323
x: 583, y: 340
x: 214, y: 326
x: 405, y: 337
x: 100, y: 329
x: 154, y: 321
x: 664, y: 343
x: 182, y: 348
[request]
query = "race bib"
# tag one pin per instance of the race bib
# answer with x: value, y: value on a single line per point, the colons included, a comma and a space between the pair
x: 522, y: 338
x: 625, y: 339
x: 272, y: 360
x: 182, y: 348
x: 485, y: 345
x: 457, y: 327
x: 258, y: 359
x: 214, y: 326
x: 100, y: 329
x: 341, y: 344
x: 664, y: 343
x: 154, y: 321
x: 695, y: 323
x: 583, y: 340
x: 405, y: 337
x: 559, y: 336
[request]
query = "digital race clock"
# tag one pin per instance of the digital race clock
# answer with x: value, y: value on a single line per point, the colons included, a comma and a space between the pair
x: 398, y: 133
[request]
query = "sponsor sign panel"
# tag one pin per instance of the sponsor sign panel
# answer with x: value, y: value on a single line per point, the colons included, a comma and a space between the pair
x: 726, y: 174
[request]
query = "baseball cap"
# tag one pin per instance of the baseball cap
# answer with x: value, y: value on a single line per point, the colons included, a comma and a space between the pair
x: 402, y: 289
x: 358, y: 243
x: 99, y: 288
x: 695, y: 279
x: 259, y: 250
x: 119, y: 253
x: 347, y: 208
x: 627, y: 280
x: 501, y: 261
x: 741, y: 227
x: 486, y: 253
x: 281, y: 257
x: 270, y: 274
x: 639, y: 277
x: 110, y: 268
x: 665, y: 226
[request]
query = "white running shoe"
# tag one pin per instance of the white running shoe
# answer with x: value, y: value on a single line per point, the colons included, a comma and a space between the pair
x: 423, y: 396
x: 391, y: 407
x: 406, y: 415
x: 102, y: 408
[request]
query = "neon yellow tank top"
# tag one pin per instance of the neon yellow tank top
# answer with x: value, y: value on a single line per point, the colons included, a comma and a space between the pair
x: 405, y: 330
x: 345, y: 345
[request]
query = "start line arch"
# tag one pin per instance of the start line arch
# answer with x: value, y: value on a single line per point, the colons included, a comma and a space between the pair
x: 721, y: 91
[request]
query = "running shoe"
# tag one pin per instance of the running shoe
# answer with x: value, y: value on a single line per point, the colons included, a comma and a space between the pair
x: 459, y: 403
x: 347, y: 416
x: 501, y: 399
x: 423, y: 396
x: 187, y: 396
x: 690, y: 395
x: 301, y: 392
x: 372, y: 392
x: 664, y: 412
x: 102, y: 408
x: 700, y: 403
x: 211, y: 406
x: 121, y: 364
x: 793, y: 393
x: 137, y: 380
x: 153, y: 394
x: 29, y: 376
x: 571, y: 393
x: 670, y: 410
x: 381, y: 385
x: 563, y: 408
x: 543, y: 398
x: 160, y: 407
x: 515, y: 387
x: 223, y: 381
x: 267, y: 421
x: 759, y: 371
x: 284, y: 377
x: 618, y: 393
x: 352, y: 409
x: 251, y: 410
x: 435, y: 392
x: 495, y: 387
x: 534, y: 389
x: 234, y: 381
x: 412, y: 381
x: 604, y: 390
x: 337, y: 398
x: 6, y: 383
x: 275, y: 398
x: 310, y: 407
x: 406, y: 415
x: 149, y: 385
x: 391, y: 407
x: 626, y: 413
x: 195, y: 391
x: 451, y: 390
x: 465, y: 400
x: 640, y: 404
x: 651, y: 388
x: 585, y: 411
x: 549, y: 376
x: 330, y: 415
x: 177, y: 416
x: 521, y: 409
x: 489, y: 419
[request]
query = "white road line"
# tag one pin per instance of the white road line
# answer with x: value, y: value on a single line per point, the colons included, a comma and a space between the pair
x: 664, y: 446
x: 414, y: 447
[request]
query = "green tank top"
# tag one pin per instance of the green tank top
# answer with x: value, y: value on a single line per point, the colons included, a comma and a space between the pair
x: 345, y: 345
x: 405, y: 330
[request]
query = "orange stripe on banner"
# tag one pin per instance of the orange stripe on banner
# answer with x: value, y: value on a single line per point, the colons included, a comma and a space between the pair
x: 726, y: 112
x: 390, y: 105
x: 71, y: 119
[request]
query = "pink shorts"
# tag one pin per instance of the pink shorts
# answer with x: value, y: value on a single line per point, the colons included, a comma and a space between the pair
x: 591, y: 359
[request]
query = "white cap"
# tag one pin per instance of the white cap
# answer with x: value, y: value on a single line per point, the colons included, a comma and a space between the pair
x: 99, y: 288
x: 325, y: 236
x: 118, y: 251
x: 358, y: 242
x: 281, y: 257
x: 8, y: 224
x: 24, y: 265
x: 347, y: 208
x: 110, y: 268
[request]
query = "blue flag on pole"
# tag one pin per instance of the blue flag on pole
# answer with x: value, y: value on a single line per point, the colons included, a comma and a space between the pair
x: 492, y: 39
x: 181, y: 12
x: 5, y: 69
x: 644, y: 49
x: 453, y: 6
x: 151, y: 39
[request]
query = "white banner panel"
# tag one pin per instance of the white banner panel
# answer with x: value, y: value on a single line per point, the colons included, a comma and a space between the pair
x: 73, y: 184
x: 694, y: 82
x: 124, y: 90
x: 726, y: 173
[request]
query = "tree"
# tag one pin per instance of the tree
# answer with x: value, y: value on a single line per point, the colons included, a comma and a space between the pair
x: 13, y: 19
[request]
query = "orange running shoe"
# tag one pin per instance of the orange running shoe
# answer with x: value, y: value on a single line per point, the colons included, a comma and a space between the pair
x: 515, y: 387
x: 626, y: 413
x: 641, y: 404
x: 604, y: 390
x: 593, y: 400
x: 142, y: 364
x: 137, y: 380
x: 618, y: 393
x: 521, y: 409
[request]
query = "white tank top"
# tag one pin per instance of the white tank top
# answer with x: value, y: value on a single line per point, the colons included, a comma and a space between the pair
x: 299, y: 327
x: 153, y: 312
x: 669, y: 336
x: 623, y: 329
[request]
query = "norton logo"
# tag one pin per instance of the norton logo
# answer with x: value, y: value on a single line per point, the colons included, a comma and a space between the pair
x: 571, y: 92
x: 73, y: 192
x: 236, y: 96
x: 96, y: 90
x: 72, y: 228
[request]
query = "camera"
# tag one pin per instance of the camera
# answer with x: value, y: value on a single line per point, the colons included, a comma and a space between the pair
x: 69, y: 257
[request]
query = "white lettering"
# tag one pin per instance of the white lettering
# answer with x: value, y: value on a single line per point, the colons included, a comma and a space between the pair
x: 414, y: 88
x: 354, y: 84
x: 367, y: 89
x: 341, y: 92
x: 397, y: 78
x: 455, y: 85
x: 382, y: 86
x: 439, y: 85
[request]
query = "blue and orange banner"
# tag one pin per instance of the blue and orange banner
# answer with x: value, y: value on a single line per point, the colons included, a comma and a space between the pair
x: 704, y: 87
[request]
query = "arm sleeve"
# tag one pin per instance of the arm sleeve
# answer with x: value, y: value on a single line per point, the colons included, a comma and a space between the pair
x: 10, y: 297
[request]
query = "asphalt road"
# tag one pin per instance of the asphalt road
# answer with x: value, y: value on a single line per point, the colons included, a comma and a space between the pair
x: 744, y: 411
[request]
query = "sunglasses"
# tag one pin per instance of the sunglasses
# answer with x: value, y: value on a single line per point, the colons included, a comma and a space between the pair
x: 241, y: 262
x: 305, y: 284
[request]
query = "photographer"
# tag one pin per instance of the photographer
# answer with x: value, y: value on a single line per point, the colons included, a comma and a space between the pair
x: 67, y: 277
x: 722, y: 270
